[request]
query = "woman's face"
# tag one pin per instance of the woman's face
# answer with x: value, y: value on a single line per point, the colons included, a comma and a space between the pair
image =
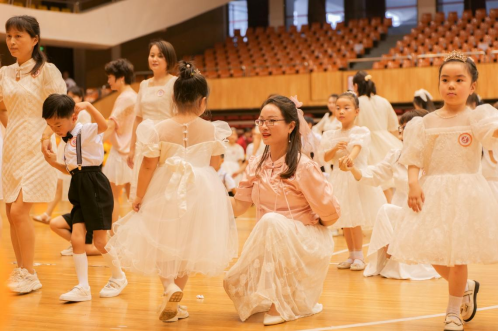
x: 455, y: 84
x: 77, y: 99
x: 115, y: 83
x: 20, y: 44
x: 331, y: 104
x: 346, y: 111
x: 274, y: 133
x: 157, y: 61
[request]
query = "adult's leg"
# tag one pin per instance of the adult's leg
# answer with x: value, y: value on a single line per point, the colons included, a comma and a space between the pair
x: 13, y: 236
x: 25, y: 231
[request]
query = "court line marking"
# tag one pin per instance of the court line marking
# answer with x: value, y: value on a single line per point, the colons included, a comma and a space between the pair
x: 389, y: 321
x: 346, y: 250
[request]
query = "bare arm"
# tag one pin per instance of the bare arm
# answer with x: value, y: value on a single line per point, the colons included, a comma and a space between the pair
x: 3, y: 114
x: 239, y: 207
x: 51, y: 158
x: 96, y: 115
x: 131, y: 155
x: 111, y: 127
x: 147, y: 169
x: 416, y: 196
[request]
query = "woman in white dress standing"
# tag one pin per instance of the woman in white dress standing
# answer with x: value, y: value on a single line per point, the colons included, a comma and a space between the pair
x: 120, y: 126
x: 379, y: 117
x: 329, y: 120
x: 155, y: 98
x: 26, y: 177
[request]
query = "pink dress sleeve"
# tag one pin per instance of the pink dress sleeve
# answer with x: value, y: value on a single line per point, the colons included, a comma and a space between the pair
x: 244, y: 190
x: 123, y: 113
x: 318, y: 192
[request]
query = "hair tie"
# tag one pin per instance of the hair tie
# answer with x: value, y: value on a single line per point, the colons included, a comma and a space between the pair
x: 368, y: 78
x: 188, y: 65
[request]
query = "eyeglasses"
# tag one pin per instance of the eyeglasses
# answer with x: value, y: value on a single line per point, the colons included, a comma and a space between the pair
x: 269, y: 123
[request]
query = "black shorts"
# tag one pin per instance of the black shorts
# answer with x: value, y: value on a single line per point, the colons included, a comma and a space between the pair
x: 90, y: 194
x: 89, y: 234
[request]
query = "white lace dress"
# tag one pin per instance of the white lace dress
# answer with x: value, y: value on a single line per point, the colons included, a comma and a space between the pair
x: 386, y: 221
x: 185, y: 224
x: 457, y: 224
x: 490, y: 170
x: 359, y: 202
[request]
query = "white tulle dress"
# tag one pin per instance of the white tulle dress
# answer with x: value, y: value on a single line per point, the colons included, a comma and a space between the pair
x: 457, y: 224
x: 359, y: 202
x: 185, y: 224
x: 490, y: 170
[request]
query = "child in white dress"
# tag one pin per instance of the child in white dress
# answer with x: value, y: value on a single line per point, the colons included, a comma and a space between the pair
x: 182, y: 221
x: 490, y: 169
x: 379, y: 262
x: 329, y: 120
x: 234, y: 157
x: 360, y: 203
x: 450, y: 219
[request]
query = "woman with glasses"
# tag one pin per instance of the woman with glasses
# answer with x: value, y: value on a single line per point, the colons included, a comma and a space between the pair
x: 285, y: 260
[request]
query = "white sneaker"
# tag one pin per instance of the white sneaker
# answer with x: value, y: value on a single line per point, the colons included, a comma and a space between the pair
x: 27, y: 283
x: 358, y: 265
x: 77, y: 294
x: 68, y: 251
x: 469, y: 308
x: 453, y: 322
x: 114, y: 287
x: 169, y: 307
x: 181, y: 314
x: 14, y: 278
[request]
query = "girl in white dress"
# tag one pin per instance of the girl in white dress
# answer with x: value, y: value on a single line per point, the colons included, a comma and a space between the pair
x: 234, y: 157
x: 329, y: 120
x: 360, y: 203
x: 154, y: 100
x: 120, y: 128
x: 182, y: 223
x: 375, y: 175
x: 285, y: 260
x: 450, y: 219
x: 26, y: 177
x: 490, y: 169
x: 379, y: 117
x: 64, y: 180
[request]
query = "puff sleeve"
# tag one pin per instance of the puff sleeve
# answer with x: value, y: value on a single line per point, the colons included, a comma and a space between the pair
x: 148, y: 139
x: 484, y: 123
x: 221, y: 132
x: 413, y: 143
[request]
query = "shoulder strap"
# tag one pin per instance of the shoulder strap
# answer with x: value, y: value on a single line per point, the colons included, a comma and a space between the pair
x: 79, y: 157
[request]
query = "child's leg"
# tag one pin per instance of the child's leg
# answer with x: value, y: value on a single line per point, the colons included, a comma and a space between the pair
x: 357, y: 236
x: 58, y: 197
x: 127, y: 189
x: 443, y: 271
x: 457, y: 283
x: 60, y: 227
x: 348, y: 235
x: 181, y: 282
x: 116, y: 193
x: 100, y: 241
x: 79, y: 254
x: 389, y: 195
x: 91, y: 250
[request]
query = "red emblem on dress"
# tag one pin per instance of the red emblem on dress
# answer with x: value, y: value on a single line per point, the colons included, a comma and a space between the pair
x: 465, y: 139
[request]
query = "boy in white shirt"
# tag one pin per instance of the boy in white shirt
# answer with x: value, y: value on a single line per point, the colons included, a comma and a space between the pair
x: 225, y: 178
x: 90, y: 192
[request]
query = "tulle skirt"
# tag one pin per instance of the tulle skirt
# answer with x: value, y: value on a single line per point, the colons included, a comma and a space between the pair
x: 116, y: 169
x: 493, y: 184
x: 283, y: 262
x: 458, y: 223
x: 359, y: 203
x: 185, y: 226
x: 382, y: 235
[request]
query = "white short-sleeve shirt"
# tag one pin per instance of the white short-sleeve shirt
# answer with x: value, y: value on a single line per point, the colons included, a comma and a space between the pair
x: 92, y: 147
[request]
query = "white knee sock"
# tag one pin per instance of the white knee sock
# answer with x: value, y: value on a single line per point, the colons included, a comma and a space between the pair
x: 114, y: 265
x: 81, y: 266
x: 454, y: 304
x: 351, y: 257
x: 166, y: 282
x: 358, y: 255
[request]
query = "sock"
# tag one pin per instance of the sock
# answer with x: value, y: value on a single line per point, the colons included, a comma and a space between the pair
x: 81, y: 265
x: 351, y: 257
x: 114, y: 265
x: 358, y: 255
x: 454, y: 304
x: 166, y: 282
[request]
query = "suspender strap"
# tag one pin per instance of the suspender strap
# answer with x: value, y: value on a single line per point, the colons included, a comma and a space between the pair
x: 79, y: 158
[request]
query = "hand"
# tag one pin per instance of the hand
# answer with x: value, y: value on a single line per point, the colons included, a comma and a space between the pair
x: 50, y: 157
x: 235, y: 174
x: 341, y: 146
x: 46, y: 146
x: 80, y: 107
x: 346, y: 163
x: 416, y: 197
x: 137, y: 204
x: 131, y: 158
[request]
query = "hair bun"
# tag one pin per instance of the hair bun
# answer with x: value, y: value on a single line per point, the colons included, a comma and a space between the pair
x: 187, y: 70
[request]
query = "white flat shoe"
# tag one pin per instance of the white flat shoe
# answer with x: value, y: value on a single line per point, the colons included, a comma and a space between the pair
x: 453, y: 322
x: 77, y: 294
x: 344, y: 265
x: 182, y: 314
x: 272, y: 320
x: 468, y: 310
x: 169, y: 307
x: 358, y: 265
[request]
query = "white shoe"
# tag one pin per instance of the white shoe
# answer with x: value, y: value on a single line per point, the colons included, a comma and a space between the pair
x: 27, y: 283
x: 468, y: 309
x: 318, y: 308
x: 272, y: 320
x: 14, y: 278
x: 114, y: 287
x: 344, y: 265
x: 43, y: 218
x: 77, y: 294
x: 358, y: 265
x: 169, y: 307
x: 453, y: 322
x: 181, y: 314
x: 335, y: 232
x: 68, y: 251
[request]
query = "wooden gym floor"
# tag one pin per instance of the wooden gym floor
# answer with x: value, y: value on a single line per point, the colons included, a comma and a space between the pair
x: 351, y: 301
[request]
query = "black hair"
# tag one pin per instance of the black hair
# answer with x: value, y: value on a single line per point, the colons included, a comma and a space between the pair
x: 351, y: 96
x: 58, y: 106
x: 190, y: 86
x: 426, y: 105
x: 77, y: 91
x: 334, y: 95
x: 474, y: 99
x: 366, y: 87
x: 247, y: 130
x: 309, y: 119
x: 469, y: 64
x: 30, y: 25
x: 121, y: 68
x: 168, y: 51
x: 408, y: 115
x: 289, y: 113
